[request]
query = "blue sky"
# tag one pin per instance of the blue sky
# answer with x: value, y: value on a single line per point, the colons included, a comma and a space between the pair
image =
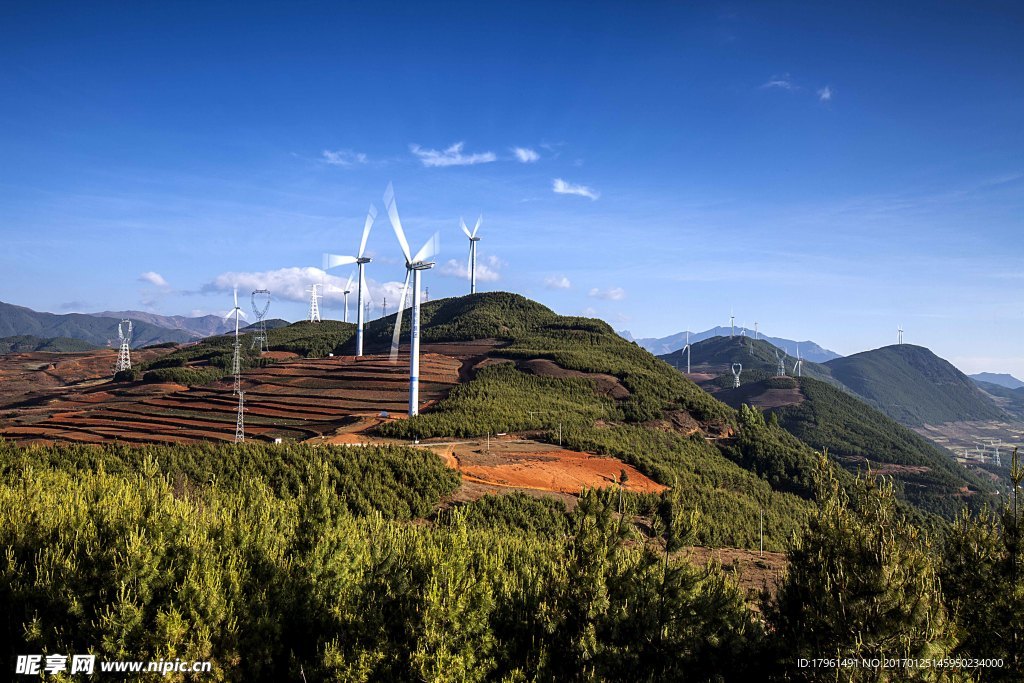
x: 831, y: 170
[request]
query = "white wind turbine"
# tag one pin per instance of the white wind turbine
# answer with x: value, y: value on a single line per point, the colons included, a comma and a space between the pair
x: 236, y: 365
x: 473, y: 239
x: 798, y: 366
x: 333, y: 261
x: 345, y: 292
x: 413, y: 266
x: 687, y: 350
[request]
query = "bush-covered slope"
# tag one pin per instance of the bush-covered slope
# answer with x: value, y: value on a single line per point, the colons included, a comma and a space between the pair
x: 913, y: 386
x: 28, y: 343
x: 858, y: 437
x: 1010, y: 400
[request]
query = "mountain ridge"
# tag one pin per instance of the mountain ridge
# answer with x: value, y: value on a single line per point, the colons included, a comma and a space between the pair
x: 659, y: 346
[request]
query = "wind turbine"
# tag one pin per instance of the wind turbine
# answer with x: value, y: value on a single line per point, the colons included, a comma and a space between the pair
x: 236, y: 364
x: 798, y: 366
x: 333, y: 261
x: 473, y: 239
x: 899, y: 334
x: 345, y: 292
x: 687, y: 349
x: 414, y: 265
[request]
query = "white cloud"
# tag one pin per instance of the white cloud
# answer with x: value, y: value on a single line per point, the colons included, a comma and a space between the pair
x: 525, y: 154
x: 452, y: 156
x: 559, y: 186
x: 783, y: 82
x: 345, y: 158
x: 153, y: 278
x: 825, y: 94
x: 292, y: 284
x: 610, y: 294
x: 557, y: 282
x: 486, y: 269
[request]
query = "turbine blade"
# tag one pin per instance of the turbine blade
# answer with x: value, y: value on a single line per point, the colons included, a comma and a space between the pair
x: 432, y: 246
x: 348, y: 283
x: 241, y: 314
x: 371, y: 216
x: 479, y: 220
x: 469, y: 262
x: 334, y: 260
x: 229, y: 314
x: 396, y: 223
x: 462, y: 224
x: 398, y: 318
x: 236, y: 296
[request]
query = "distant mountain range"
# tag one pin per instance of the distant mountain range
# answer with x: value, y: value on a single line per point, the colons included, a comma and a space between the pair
x: 1001, y: 378
x: 203, y: 326
x: 659, y: 346
x: 98, y: 330
x: 907, y: 383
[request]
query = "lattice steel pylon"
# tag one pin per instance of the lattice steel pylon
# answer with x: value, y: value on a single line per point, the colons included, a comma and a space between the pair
x: 236, y: 368
x: 314, y: 305
x: 124, y: 354
x: 781, y: 370
x: 240, y: 422
x: 259, y: 339
x: 737, y: 368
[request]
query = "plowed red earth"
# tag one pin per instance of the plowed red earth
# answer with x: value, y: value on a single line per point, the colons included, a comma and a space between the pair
x: 521, y: 463
x: 294, y: 398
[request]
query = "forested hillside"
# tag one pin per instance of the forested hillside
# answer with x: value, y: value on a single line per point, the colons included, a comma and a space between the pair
x: 913, y: 386
x: 28, y: 343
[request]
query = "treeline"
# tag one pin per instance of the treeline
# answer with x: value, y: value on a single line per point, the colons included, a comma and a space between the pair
x: 273, y: 584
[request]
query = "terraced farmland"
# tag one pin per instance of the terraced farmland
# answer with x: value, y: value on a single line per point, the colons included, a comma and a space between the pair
x: 294, y: 399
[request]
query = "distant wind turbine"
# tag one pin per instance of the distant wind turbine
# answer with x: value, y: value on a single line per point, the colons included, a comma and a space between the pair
x: 473, y: 239
x: 236, y: 363
x: 333, y: 261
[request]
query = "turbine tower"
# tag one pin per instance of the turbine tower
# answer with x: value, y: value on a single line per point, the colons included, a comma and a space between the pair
x: 473, y: 239
x: 798, y: 366
x: 333, y: 261
x: 414, y: 265
x: 732, y: 324
x: 737, y: 368
x: 687, y: 349
x: 755, y: 330
x: 314, y: 304
x: 899, y: 334
x: 124, y: 354
x: 260, y: 299
x: 345, y: 292
x: 236, y: 363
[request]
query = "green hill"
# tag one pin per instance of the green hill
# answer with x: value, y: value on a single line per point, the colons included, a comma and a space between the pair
x: 858, y: 437
x: 1010, y: 400
x: 28, y: 343
x: 913, y: 386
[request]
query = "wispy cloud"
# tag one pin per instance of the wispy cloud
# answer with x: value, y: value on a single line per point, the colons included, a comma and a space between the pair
x: 610, y: 294
x: 486, y: 269
x: 525, y: 154
x: 557, y: 282
x: 560, y: 186
x: 825, y: 94
x: 452, y: 156
x: 292, y: 284
x: 155, y: 279
x: 346, y: 158
x: 782, y: 82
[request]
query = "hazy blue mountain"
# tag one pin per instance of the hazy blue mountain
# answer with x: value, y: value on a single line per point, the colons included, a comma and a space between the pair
x: 202, y: 326
x: 1001, y: 378
x: 660, y: 346
x: 18, y: 320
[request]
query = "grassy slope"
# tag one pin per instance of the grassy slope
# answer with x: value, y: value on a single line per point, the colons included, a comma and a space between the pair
x: 853, y: 432
x: 913, y: 386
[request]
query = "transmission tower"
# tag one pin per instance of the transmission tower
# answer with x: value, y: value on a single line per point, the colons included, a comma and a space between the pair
x: 781, y: 371
x: 124, y: 354
x: 259, y: 340
x: 314, y: 304
x: 737, y: 368
x: 240, y: 421
x: 384, y: 308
